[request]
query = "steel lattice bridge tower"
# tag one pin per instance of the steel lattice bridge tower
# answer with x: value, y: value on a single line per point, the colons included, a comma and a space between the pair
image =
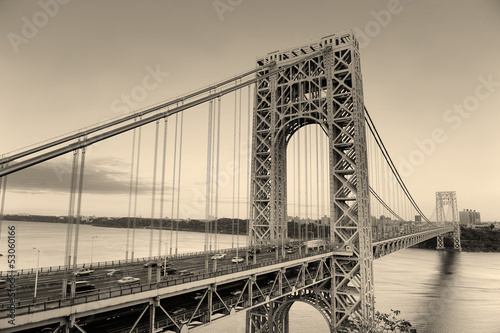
x: 318, y: 83
x: 443, y: 199
x: 324, y: 89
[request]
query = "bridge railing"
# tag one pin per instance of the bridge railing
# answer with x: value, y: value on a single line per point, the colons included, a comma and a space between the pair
x: 377, y: 236
x: 43, y: 304
x: 115, y: 263
x: 408, y: 229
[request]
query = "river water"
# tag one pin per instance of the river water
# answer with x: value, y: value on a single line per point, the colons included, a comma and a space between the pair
x: 438, y: 292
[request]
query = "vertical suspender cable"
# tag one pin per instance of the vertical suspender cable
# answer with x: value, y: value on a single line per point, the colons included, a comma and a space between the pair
x: 69, y: 232
x: 234, y: 163
x: 298, y: 187
x: 239, y: 176
x: 377, y: 178
x: 317, y: 183
x: 248, y: 166
x: 207, y: 206
x: 130, y: 196
x: 153, y: 190
x: 211, y: 223
x: 3, y: 187
x: 310, y: 185
x: 173, y: 185
x: 178, y: 188
x: 294, y: 169
x: 306, y: 177
x: 162, y: 190
x: 296, y: 162
x: 217, y: 175
x: 78, y: 208
x: 136, y: 190
x: 323, y: 194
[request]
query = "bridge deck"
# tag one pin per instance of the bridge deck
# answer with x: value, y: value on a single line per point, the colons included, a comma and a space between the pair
x: 50, y: 308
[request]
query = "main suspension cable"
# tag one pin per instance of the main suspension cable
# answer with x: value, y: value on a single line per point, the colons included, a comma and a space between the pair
x: 391, y: 164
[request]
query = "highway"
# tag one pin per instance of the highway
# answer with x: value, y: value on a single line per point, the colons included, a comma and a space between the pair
x: 180, y: 307
x: 49, y: 287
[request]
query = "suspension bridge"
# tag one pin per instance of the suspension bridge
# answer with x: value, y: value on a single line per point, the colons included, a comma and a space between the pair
x: 315, y: 154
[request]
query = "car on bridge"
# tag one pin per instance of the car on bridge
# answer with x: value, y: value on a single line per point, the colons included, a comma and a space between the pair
x: 237, y: 260
x: 178, y: 310
x: 128, y: 280
x: 218, y: 256
x: 80, y: 286
x: 185, y: 272
x: 151, y: 264
x: 199, y: 295
x: 236, y: 292
x: 168, y: 271
x: 83, y: 271
x: 272, y: 248
x: 253, y: 251
x: 115, y: 272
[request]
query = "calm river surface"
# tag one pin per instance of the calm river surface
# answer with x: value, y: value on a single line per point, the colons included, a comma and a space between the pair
x: 438, y: 292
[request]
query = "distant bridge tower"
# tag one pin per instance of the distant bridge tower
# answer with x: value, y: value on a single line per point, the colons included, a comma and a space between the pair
x: 443, y: 199
x: 317, y: 83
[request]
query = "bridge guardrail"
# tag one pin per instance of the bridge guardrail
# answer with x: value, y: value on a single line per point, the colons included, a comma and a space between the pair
x: 30, y: 307
x: 112, y: 263
x: 43, y: 304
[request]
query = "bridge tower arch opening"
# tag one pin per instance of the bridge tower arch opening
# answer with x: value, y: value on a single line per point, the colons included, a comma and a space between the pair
x: 448, y: 198
x: 320, y: 83
x: 308, y: 182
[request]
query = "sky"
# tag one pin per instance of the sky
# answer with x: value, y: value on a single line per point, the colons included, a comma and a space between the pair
x: 431, y: 82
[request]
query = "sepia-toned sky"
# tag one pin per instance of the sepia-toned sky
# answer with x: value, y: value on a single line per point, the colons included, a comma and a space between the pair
x: 431, y: 80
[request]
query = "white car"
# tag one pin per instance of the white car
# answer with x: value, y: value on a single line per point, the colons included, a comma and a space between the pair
x: 83, y: 271
x: 237, y: 260
x: 218, y: 256
x: 128, y: 280
x: 236, y: 292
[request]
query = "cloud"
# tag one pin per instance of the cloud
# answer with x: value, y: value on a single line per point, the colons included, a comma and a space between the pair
x: 102, y: 176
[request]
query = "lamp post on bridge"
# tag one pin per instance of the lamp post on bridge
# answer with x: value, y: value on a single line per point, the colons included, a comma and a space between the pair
x: 36, y: 274
x: 92, y: 250
x: 165, y: 261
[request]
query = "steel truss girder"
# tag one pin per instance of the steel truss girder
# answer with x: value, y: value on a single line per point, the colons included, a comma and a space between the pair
x: 388, y: 246
x: 324, y: 90
x: 443, y: 199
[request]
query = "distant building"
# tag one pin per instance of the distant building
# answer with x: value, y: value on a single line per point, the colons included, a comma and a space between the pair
x: 418, y: 218
x: 468, y: 217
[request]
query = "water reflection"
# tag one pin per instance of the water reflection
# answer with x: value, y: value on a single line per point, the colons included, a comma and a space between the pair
x: 438, y: 305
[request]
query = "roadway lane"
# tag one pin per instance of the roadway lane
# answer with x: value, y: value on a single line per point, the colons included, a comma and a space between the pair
x: 50, y: 283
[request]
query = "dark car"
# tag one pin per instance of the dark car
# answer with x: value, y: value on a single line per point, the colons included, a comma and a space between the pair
x: 80, y: 286
x: 151, y: 264
x: 168, y: 271
x: 178, y: 310
x: 185, y: 273
x: 272, y: 248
